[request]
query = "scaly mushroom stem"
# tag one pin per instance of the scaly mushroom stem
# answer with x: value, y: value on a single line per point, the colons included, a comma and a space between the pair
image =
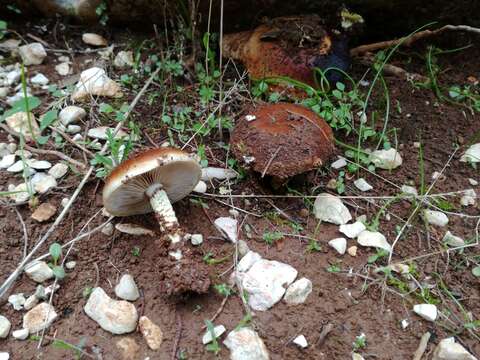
x: 162, y: 207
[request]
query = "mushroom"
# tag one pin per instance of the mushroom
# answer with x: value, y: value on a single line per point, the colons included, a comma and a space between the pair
x: 151, y: 181
x: 282, y: 140
x: 290, y: 47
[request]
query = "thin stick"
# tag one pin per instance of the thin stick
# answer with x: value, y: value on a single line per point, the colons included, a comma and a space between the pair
x: 44, y: 152
x: 270, y: 161
x: 410, y: 40
x: 422, y: 346
x: 25, y: 233
x: 70, y: 140
x: 6, y: 285
x: 218, y: 312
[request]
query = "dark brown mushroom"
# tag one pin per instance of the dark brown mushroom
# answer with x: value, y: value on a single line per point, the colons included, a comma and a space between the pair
x: 289, y: 47
x: 282, y: 140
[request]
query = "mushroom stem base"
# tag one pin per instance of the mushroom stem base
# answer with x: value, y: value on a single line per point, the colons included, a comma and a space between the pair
x: 163, y: 210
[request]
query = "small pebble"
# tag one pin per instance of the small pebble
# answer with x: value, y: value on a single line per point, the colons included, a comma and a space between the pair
x: 196, y: 239
x: 301, y: 341
x: 21, y: 334
x: 70, y: 265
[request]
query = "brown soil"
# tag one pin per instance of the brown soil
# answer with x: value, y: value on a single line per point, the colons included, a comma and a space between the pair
x: 352, y: 304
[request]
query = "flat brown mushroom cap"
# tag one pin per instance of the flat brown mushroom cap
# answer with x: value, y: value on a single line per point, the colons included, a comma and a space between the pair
x: 124, y: 190
x: 284, y: 140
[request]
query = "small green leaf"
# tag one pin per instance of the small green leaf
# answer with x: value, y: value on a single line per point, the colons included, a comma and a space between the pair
x: 55, y: 251
x: 476, y: 271
x: 106, y: 108
x: 42, y: 140
x: 3, y: 25
x: 59, y: 272
x: 48, y: 118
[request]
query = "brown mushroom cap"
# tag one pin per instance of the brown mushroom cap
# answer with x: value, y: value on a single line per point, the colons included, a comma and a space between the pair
x: 284, y: 140
x: 125, y: 188
x: 286, y: 46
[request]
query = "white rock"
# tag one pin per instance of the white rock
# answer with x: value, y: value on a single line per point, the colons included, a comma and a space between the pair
x: 245, y: 344
x: 177, y: 254
x: 71, y: 114
x: 123, y: 59
x: 39, y: 271
x: 10, y: 45
x: 264, y: 282
x: 70, y: 265
x: 301, y: 341
x: 17, y: 301
x: 151, y: 332
x: 243, y: 248
x: 373, y: 239
x: 4, y: 355
x: 217, y: 330
x: 409, y: 190
x: 32, y: 54
x: 7, y: 161
x: 20, y: 193
x: 352, y: 230
x: 95, y: 82
x: 117, y: 317
x: 31, y: 301
x: 427, y: 311
x: 101, y: 133
x: 12, y: 148
x: 362, y: 185
x: 469, y: 198
x: 356, y: 356
x: 196, y: 239
x: 21, y: 334
x: 40, y: 164
x: 4, y: 92
x: 13, y: 77
x: 404, y: 324
x: 472, y: 155
x: 210, y: 173
x: 64, y: 202
x: 340, y: 163
x: 23, y: 153
x: 329, y: 208
x: 18, y: 166
x: 42, y: 182
x: 94, y: 39
x: 436, y: 218
x: 49, y: 289
x: 229, y: 227
x: 39, y: 318
x: 58, y: 170
x: 63, y: 68
x: 19, y: 123
x: 247, y: 261
x: 339, y: 244
x: 298, y: 291
x: 133, y: 229
x: 73, y: 129
x: 5, y: 326
x: 452, y: 240
x: 126, y: 288
x: 201, y: 187
x: 400, y: 268
x: 448, y: 349
x: 386, y: 159
x: 39, y: 79
x: 473, y: 182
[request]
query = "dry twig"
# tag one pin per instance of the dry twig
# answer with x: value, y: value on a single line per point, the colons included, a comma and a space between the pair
x: 422, y: 346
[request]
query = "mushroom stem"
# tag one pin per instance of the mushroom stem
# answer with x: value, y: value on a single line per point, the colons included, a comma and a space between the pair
x: 163, y: 208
